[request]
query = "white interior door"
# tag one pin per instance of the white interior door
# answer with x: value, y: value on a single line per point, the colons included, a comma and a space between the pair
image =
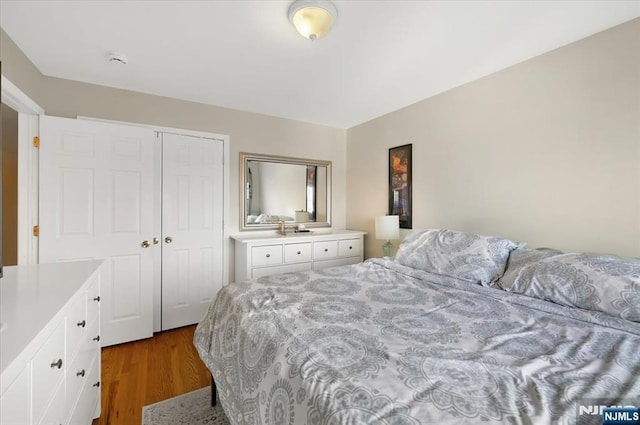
x: 96, y: 201
x: 192, y: 227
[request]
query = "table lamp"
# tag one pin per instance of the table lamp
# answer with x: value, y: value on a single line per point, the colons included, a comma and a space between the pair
x: 387, y: 228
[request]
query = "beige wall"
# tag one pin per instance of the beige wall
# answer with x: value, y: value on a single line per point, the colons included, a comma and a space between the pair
x: 248, y: 132
x: 547, y: 152
x: 17, y: 67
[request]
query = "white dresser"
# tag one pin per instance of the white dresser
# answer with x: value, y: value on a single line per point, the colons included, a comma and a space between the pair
x: 267, y: 254
x: 50, y: 349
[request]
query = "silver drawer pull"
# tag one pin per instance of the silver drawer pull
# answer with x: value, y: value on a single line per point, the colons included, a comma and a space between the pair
x: 57, y: 364
x: 82, y: 324
x: 81, y: 373
x: 97, y: 338
x: 268, y: 255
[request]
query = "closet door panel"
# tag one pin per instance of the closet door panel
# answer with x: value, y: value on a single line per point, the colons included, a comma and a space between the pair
x: 207, y: 273
x: 75, y: 203
x: 130, y: 302
x: 126, y: 211
x: 192, y: 227
x: 96, y: 201
x: 177, y: 266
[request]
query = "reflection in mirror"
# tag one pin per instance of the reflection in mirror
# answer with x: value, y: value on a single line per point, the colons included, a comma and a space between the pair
x: 275, y: 188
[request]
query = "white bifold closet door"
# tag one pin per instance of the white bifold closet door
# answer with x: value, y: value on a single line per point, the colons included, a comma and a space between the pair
x: 149, y: 203
x: 192, y: 227
x: 96, y: 201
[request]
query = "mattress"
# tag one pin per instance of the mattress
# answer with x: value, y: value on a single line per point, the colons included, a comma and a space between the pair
x: 382, y: 343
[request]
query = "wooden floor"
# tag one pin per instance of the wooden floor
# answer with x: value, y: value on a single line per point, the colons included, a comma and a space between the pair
x: 144, y: 372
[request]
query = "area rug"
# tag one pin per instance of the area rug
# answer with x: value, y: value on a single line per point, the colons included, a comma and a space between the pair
x: 193, y: 408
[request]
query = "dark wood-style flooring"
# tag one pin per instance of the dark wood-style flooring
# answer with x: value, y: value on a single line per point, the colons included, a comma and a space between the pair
x: 144, y: 372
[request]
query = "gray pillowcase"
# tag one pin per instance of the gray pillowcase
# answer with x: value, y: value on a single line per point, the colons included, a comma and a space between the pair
x: 518, y: 260
x: 467, y: 256
x: 588, y: 281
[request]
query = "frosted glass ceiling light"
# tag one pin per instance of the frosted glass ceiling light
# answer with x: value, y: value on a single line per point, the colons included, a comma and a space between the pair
x: 312, y: 18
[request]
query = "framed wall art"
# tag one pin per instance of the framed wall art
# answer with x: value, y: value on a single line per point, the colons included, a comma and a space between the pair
x: 400, y: 184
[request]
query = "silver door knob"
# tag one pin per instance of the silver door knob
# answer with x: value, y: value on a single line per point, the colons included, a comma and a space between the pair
x: 145, y: 244
x: 168, y: 239
x: 155, y: 241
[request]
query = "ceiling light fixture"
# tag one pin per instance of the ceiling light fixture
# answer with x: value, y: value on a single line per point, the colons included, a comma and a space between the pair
x: 312, y: 18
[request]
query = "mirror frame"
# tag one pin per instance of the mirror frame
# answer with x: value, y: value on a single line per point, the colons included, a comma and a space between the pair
x: 245, y: 157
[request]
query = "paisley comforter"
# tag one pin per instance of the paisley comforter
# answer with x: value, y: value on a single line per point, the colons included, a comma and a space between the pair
x: 380, y: 343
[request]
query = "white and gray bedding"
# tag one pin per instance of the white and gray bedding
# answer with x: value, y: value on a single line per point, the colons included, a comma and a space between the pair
x: 383, y: 343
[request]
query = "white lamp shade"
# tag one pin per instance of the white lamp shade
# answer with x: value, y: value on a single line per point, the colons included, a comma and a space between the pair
x: 388, y: 227
x: 312, y: 18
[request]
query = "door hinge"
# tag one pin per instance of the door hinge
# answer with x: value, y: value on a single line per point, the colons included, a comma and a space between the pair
x: 36, y: 230
x: 36, y: 142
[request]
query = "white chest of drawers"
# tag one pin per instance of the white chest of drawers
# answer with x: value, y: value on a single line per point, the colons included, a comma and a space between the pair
x: 262, y: 255
x: 50, y: 350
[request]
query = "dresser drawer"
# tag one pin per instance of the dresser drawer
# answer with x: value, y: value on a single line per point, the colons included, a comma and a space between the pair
x: 93, y: 298
x: 46, y: 377
x: 326, y: 249
x: 78, y: 374
x: 87, y: 403
x: 76, y: 324
x: 14, y: 402
x: 91, y: 340
x: 297, y: 253
x: 269, y: 255
x: 289, y: 268
x: 335, y: 262
x: 55, y: 412
x: 349, y: 248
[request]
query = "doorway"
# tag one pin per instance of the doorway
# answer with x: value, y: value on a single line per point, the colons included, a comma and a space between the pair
x: 9, y: 185
x: 28, y: 114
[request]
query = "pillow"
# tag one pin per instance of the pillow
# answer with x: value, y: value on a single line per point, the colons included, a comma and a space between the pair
x: 588, y: 281
x: 466, y: 256
x: 518, y: 260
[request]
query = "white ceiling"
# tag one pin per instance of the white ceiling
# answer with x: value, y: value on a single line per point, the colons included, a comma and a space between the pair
x: 380, y: 55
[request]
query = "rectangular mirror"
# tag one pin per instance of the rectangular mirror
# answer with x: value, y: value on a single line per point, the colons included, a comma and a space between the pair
x: 278, y: 188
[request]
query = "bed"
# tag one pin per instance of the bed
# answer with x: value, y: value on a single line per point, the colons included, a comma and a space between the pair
x: 457, y: 329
